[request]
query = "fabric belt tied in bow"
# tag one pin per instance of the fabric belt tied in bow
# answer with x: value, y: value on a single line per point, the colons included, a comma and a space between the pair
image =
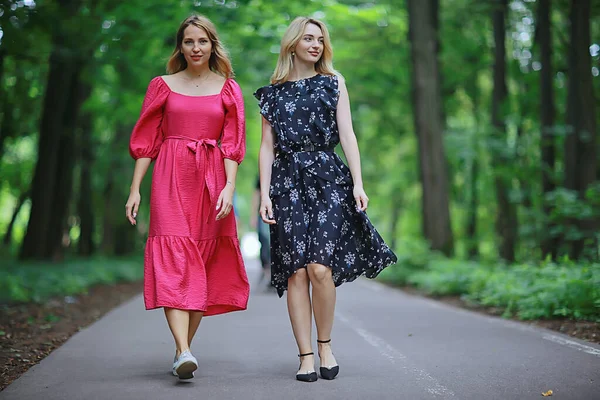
x: 205, y: 164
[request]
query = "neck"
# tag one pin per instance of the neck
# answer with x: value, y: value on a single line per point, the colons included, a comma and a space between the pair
x: 302, y: 70
x: 203, y: 70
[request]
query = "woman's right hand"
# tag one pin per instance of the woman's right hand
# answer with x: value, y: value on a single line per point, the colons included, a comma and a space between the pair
x: 131, y: 208
x: 266, y: 211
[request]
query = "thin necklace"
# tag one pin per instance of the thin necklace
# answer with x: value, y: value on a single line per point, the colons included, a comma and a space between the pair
x: 191, y: 80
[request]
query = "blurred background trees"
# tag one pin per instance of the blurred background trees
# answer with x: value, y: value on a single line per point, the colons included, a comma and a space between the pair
x: 477, y: 120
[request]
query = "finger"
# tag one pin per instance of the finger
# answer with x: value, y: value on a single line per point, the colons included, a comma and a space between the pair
x: 220, y: 201
x: 363, y: 203
x: 135, y: 209
x: 263, y: 214
x: 225, y: 212
x: 358, y: 203
x: 128, y: 215
x: 269, y: 214
x: 225, y: 208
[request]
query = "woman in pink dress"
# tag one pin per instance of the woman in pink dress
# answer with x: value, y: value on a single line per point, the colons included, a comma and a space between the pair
x: 192, y: 125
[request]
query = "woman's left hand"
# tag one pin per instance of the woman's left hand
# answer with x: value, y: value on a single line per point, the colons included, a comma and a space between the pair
x: 362, y: 201
x: 225, y: 201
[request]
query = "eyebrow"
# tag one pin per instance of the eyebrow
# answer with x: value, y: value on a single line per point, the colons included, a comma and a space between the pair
x: 191, y: 38
x: 311, y: 35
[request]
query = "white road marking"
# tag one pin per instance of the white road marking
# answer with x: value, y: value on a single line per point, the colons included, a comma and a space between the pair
x: 572, y: 344
x: 522, y: 326
x: 394, y: 356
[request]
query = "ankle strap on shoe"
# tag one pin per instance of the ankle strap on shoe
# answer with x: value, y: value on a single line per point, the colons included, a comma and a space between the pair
x: 323, y: 341
x: 306, y: 354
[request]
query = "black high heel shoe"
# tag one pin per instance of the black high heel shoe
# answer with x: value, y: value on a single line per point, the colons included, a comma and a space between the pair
x: 328, y: 372
x: 309, y: 377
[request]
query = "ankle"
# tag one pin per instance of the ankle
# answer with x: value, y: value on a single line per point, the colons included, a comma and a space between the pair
x: 179, y: 351
x: 306, y: 354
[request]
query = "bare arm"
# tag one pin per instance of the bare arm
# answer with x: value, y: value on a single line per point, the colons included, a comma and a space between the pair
x: 350, y: 145
x: 133, y: 202
x: 225, y: 201
x: 265, y: 163
x: 254, y: 204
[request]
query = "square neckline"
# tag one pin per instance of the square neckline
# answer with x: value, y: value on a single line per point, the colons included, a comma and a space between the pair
x: 191, y: 95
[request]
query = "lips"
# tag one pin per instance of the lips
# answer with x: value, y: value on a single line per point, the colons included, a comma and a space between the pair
x: 313, y: 53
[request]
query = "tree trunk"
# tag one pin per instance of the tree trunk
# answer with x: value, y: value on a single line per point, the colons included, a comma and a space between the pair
x: 472, y: 242
x: 3, y: 102
x: 44, y: 180
x: 549, y: 244
x: 506, y: 216
x: 55, y: 137
x: 427, y: 110
x: 85, y: 208
x: 9, y: 230
x: 471, y: 230
x: 394, y: 222
x: 581, y: 143
x: 66, y: 163
x: 118, y: 236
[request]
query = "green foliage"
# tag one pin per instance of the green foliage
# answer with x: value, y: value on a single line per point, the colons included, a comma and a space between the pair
x: 36, y: 282
x: 525, y: 291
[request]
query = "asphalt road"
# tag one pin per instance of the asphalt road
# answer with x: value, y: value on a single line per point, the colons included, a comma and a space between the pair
x: 389, y: 345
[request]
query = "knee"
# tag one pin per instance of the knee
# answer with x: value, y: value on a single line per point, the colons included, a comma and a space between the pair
x: 319, y: 273
x: 299, y: 278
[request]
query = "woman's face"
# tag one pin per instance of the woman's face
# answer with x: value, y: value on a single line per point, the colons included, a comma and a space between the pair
x: 196, y: 46
x: 310, y: 47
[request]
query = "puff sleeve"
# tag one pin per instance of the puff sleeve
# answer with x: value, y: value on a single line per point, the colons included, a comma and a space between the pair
x: 233, y: 139
x: 146, y: 137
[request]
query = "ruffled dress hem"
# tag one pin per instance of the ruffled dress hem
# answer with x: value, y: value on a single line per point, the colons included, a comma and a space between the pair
x: 197, y: 273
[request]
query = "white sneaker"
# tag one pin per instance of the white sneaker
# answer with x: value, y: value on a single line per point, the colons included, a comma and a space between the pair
x: 185, y: 365
x: 174, y: 364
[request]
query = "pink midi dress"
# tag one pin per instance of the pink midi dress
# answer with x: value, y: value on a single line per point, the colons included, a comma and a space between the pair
x: 191, y: 261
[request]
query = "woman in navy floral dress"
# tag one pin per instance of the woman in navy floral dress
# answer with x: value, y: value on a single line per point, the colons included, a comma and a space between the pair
x: 315, y: 204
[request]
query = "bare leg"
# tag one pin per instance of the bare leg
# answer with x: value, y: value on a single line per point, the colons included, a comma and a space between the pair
x: 179, y: 323
x: 195, y: 318
x: 323, y: 295
x: 299, y: 309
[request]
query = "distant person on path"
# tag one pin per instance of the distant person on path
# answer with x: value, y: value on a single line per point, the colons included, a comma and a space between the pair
x: 321, y: 235
x: 192, y: 125
x: 263, y: 233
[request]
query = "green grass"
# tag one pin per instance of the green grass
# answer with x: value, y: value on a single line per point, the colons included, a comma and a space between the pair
x: 525, y: 291
x: 39, y: 281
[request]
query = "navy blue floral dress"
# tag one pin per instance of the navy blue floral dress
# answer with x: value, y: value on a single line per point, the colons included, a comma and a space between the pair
x: 312, y: 190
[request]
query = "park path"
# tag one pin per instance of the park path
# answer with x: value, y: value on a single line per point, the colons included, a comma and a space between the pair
x: 390, y: 345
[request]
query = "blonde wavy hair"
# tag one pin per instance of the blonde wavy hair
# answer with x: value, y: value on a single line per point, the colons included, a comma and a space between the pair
x: 291, y: 37
x: 219, y: 59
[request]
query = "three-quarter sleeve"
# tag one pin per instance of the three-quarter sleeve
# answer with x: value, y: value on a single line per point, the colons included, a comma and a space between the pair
x: 146, y: 137
x: 233, y: 139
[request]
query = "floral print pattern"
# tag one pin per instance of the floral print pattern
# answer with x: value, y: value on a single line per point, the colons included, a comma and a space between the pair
x: 311, y: 188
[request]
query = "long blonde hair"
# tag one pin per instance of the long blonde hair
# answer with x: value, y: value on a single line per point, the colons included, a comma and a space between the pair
x: 219, y: 59
x: 291, y: 37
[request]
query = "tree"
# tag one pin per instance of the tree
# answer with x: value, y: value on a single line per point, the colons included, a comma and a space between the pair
x: 428, y: 122
x: 506, y: 216
x: 581, y: 143
x: 547, y: 110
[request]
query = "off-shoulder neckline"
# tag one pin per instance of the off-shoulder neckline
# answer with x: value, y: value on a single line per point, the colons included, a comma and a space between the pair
x: 191, y: 95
